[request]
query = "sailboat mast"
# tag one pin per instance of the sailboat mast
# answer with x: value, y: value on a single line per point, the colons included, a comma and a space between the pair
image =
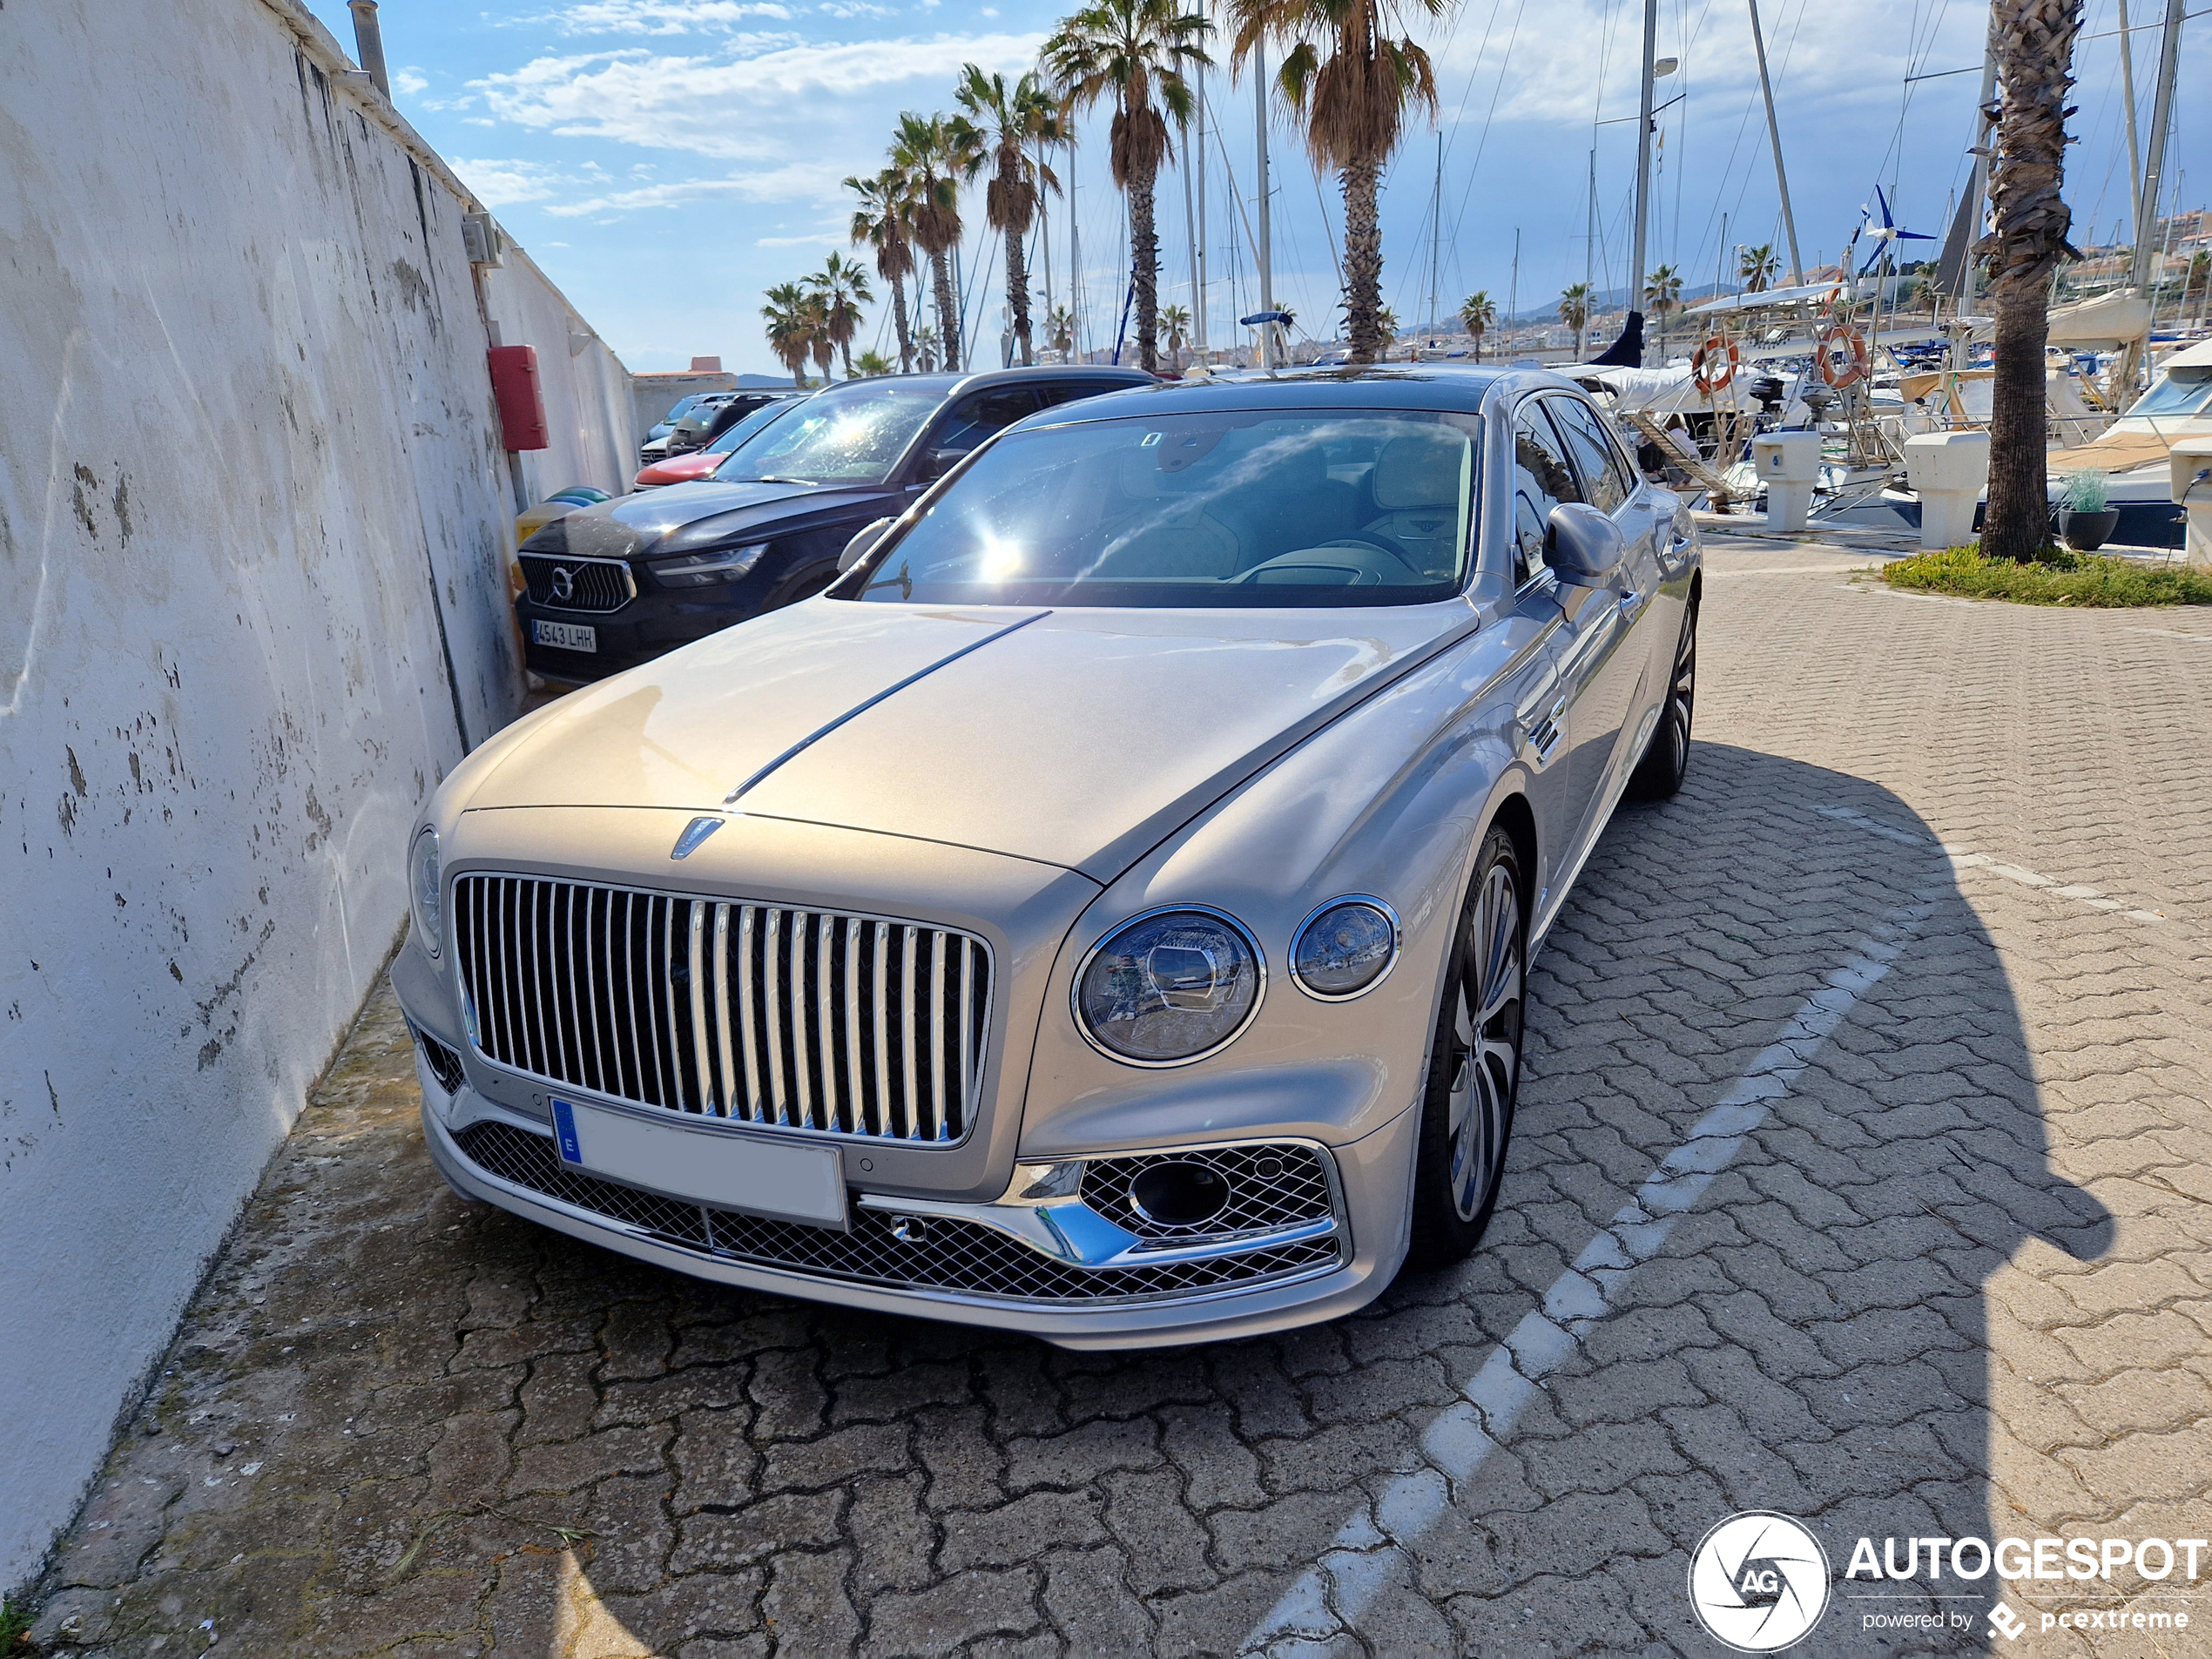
x: 1589, y: 253
x: 2127, y: 96
x: 2161, y: 111
x: 1643, y: 156
x: 1265, y: 253
x: 1198, y: 250
x: 1774, y: 138
x: 1512, y: 292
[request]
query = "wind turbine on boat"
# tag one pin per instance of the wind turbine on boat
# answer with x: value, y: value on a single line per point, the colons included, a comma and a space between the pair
x: 1885, y: 233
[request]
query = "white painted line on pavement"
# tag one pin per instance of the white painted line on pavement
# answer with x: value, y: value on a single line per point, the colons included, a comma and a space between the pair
x: 1332, y: 1597
x: 1962, y: 859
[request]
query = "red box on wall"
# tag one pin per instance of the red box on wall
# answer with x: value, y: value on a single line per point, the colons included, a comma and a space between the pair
x: 522, y: 400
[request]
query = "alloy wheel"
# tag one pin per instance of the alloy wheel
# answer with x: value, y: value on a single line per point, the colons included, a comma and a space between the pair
x: 1487, y: 1039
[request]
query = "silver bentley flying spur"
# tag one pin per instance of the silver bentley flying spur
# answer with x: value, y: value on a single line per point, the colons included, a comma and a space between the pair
x: 1105, y: 912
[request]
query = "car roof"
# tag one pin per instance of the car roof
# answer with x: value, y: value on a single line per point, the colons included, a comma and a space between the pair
x: 1391, y: 386
x: 946, y: 383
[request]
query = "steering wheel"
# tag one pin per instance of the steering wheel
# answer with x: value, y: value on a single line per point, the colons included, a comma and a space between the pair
x: 1380, y: 543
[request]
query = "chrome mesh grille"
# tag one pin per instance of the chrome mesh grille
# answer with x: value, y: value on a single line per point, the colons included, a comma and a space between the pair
x: 798, y: 1019
x: 959, y: 1257
x: 1271, y: 1184
x: 593, y: 584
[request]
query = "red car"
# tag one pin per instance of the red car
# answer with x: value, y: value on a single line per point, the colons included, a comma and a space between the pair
x: 734, y: 422
x: 684, y: 470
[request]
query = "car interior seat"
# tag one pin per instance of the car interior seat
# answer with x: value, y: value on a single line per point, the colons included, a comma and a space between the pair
x: 1417, y: 484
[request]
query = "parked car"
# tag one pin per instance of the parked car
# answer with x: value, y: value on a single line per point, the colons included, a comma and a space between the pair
x: 656, y: 444
x: 619, y: 584
x: 703, y: 425
x: 697, y: 464
x: 1106, y: 912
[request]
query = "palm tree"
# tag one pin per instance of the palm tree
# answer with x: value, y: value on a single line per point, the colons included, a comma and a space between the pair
x: 843, y: 287
x: 1575, y: 312
x: 1757, y: 265
x: 2034, y: 45
x: 1014, y: 120
x: 933, y: 153
x: 1661, y: 296
x: 1174, y: 329
x: 925, y: 348
x: 791, y: 327
x: 818, y: 338
x: 1353, y: 102
x: 1386, y: 330
x: 1135, y: 52
x: 1059, y: 331
x: 1479, y: 315
x: 871, y: 364
x: 880, y: 222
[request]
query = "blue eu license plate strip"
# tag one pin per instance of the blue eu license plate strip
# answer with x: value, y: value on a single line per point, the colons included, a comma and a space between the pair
x: 564, y: 1132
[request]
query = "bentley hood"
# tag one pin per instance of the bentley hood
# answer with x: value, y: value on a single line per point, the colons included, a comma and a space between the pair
x: 1077, y: 738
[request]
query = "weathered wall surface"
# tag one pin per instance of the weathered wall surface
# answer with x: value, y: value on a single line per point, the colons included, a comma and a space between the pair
x: 255, y: 522
x: 588, y: 403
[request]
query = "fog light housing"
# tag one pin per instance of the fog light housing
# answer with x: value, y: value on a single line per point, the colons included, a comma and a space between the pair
x: 1178, y: 1195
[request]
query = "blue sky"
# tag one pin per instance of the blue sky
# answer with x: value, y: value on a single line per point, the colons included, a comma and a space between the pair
x: 666, y: 161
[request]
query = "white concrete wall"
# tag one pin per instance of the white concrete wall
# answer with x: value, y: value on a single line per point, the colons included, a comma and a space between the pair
x: 246, y: 434
x: 587, y: 406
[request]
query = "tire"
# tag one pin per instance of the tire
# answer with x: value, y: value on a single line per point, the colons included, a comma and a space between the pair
x: 1666, y: 759
x: 1473, y: 1076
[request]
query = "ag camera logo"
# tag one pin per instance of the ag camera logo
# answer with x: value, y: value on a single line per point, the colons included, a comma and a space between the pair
x: 1759, y: 1582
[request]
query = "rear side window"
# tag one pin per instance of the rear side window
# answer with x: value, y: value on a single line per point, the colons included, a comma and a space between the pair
x: 1054, y: 393
x: 1605, y: 476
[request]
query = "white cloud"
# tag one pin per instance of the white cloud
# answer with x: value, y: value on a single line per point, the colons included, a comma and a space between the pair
x: 502, y: 184
x: 659, y: 17
x: 798, y: 115
x: 409, y: 81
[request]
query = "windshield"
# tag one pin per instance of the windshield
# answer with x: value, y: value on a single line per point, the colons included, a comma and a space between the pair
x: 746, y: 431
x: 2186, y: 390
x: 1248, y: 509
x: 841, y: 437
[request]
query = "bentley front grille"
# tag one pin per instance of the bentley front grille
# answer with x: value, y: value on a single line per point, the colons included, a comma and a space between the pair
x: 1265, y: 1184
x: 578, y: 585
x: 796, y: 1018
x: 945, y: 1254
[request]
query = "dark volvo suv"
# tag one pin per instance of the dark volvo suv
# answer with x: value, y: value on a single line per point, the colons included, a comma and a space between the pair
x: 614, y: 585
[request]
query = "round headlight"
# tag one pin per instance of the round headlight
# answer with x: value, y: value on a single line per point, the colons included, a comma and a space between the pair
x: 1345, y: 948
x: 424, y: 890
x: 1169, y: 988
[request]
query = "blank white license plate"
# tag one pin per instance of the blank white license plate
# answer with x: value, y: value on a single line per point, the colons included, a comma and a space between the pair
x: 564, y: 635
x: 703, y: 1162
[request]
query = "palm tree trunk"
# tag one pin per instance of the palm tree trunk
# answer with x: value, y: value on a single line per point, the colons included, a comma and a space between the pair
x: 941, y: 271
x: 2035, y: 53
x: 1144, y: 262
x: 1362, y: 261
x: 844, y: 347
x: 1017, y: 296
x: 899, y: 317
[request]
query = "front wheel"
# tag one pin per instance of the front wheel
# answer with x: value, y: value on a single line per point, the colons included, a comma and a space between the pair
x: 1475, y: 1065
x: 1659, y: 775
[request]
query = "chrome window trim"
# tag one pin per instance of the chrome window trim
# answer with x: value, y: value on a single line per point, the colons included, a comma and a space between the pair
x: 1075, y: 985
x: 1397, y: 946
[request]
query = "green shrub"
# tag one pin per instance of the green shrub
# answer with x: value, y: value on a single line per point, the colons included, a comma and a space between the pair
x: 2055, y: 577
x: 14, y: 1626
x: 2085, y: 491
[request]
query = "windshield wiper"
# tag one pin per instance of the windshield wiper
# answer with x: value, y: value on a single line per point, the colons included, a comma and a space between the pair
x: 778, y: 478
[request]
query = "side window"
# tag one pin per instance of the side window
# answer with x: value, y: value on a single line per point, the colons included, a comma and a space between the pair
x: 1604, y: 474
x: 979, y: 417
x: 1054, y: 393
x: 1541, y: 479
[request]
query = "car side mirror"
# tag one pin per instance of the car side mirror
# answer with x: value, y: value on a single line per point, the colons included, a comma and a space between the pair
x: 937, y: 462
x: 1586, y: 547
x: 862, y: 544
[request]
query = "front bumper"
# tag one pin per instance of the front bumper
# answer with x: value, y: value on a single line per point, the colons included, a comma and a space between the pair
x: 1043, y: 1285
x: 651, y: 625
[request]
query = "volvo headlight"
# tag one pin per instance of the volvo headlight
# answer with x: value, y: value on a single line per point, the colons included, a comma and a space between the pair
x: 425, y: 891
x: 1345, y: 948
x: 1169, y: 987
x: 710, y: 569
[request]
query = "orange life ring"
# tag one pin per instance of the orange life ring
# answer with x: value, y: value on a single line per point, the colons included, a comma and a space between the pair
x: 1847, y: 368
x: 1708, y: 384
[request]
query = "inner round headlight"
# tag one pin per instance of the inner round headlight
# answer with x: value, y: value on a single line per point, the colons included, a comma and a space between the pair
x: 423, y: 888
x: 1169, y: 988
x: 1345, y: 948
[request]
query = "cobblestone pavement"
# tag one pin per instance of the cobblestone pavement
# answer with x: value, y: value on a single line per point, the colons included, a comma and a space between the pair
x: 1951, y: 1275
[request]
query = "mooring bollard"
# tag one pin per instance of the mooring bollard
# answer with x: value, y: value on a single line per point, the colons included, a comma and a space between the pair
x: 1789, y: 465
x: 1947, y: 469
